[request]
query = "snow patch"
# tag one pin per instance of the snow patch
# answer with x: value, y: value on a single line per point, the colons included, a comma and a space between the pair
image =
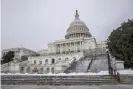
x: 126, y: 72
x: 122, y: 72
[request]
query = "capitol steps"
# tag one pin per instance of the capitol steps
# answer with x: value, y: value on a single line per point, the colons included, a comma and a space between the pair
x: 79, y: 66
x: 58, y: 80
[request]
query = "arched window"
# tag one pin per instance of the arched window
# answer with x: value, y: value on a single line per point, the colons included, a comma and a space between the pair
x: 74, y: 58
x: 59, y: 59
x: 72, y: 44
x: 35, y: 70
x: 66, y: 59
x: 40, y: 62
x: 47, y: 70
x: 22, y: 70
x: 46, y: 61
x: 52, y: 70
x: 53, y: 61
x: 41, y: 70
x: 34, y: 61
x: 28, y: 70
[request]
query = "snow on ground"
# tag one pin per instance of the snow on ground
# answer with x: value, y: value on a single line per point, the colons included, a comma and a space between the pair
x: 59, y: 74
x: 122, y: 72
x: 67, y: 87
x: 125, y: 72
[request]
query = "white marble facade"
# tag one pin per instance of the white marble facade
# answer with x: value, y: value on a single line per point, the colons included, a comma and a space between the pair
x: 62, y: 53
x: 77, y: 39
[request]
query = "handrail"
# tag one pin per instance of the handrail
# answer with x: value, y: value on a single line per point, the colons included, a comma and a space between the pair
x: 90, y: 64
x: 112, y: 70
x: 73, y: 60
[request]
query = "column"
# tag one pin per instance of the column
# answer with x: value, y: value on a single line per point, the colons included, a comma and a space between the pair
x: 67, y: 47
x: 61, y: 48
x: 70, y: 46
x: 81, y: 46
x: 57, y: 48
x: 74, y: 46
x: 78, y: 45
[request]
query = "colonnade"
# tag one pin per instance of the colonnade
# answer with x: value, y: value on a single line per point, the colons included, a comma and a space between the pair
x: 78, y: 35
x: 72, y: 46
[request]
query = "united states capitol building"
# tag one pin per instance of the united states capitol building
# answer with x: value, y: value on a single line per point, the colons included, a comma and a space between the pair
x: 78, y: 52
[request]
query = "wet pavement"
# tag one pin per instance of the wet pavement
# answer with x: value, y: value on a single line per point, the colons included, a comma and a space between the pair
x: 67, y: 87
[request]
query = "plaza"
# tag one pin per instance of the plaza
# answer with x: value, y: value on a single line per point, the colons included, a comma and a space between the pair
x: 67, y: 87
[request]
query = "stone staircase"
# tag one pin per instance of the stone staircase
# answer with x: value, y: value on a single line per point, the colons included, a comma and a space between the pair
x: 78, y: 66
x: 90, y: 64
x: 57, y: 80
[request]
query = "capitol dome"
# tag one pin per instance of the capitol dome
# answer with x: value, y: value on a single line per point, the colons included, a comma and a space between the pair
x: 77, y: 29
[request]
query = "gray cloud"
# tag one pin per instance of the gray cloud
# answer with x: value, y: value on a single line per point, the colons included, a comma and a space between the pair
x: 34, y: 23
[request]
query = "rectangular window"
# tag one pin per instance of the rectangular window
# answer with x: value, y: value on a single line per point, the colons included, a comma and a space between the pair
x: 34, y: 61
x: 40, y: 62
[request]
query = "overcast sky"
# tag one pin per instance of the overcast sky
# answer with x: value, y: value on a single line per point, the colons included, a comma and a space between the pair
x: 34, y: 23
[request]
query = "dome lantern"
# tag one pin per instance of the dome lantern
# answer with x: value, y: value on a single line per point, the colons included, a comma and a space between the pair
x: 76, y: 15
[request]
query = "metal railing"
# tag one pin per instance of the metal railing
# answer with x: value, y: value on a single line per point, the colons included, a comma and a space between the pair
x: 112, y: 71
x: 90, y: 64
